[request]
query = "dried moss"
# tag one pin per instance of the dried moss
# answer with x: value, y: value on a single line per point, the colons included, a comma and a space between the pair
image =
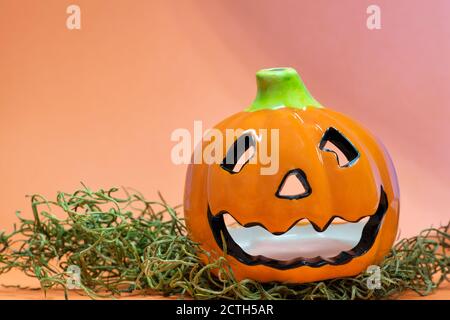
x: 123, y: 242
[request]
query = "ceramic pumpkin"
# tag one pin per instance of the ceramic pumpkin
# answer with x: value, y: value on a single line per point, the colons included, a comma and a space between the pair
x: 339, y: 214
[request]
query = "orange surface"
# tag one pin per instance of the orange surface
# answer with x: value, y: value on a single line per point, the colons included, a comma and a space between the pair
x: 26, y: 294
x: 30, y: 290
x: 209, y: 187
x: 98, y: 104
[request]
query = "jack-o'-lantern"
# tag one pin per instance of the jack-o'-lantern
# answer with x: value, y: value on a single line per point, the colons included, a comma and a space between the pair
x: 329, y: 210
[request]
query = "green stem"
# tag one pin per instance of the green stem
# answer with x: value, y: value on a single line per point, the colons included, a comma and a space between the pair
x: 281, y: 87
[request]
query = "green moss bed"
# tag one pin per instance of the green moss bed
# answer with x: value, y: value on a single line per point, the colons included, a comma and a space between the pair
x: 122, y: 242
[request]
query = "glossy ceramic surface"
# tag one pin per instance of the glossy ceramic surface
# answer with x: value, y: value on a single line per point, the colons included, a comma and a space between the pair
x: 364, y: 188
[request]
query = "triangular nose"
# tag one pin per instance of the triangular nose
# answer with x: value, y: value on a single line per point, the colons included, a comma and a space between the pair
x: 294, y: 185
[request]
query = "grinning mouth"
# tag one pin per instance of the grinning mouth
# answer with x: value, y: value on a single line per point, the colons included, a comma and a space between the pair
x: 300, y: 245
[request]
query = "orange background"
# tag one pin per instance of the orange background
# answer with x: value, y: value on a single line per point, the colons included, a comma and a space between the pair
x: 98, y: 104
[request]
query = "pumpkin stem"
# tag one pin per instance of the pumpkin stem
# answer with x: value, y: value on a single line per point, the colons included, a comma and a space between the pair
x: 281, y: 87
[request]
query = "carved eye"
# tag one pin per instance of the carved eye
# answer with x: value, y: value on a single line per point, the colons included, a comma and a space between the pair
x: 240, y: 153
x: 334, y: 141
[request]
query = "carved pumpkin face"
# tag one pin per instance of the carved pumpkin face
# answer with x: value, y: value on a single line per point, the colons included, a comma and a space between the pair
x: 330, y: 210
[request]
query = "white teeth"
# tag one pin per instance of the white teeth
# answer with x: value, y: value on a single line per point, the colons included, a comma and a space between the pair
x: 364, y: 220
x: 229, y: 221
x: 338, y: 220
x: 300, y: 241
